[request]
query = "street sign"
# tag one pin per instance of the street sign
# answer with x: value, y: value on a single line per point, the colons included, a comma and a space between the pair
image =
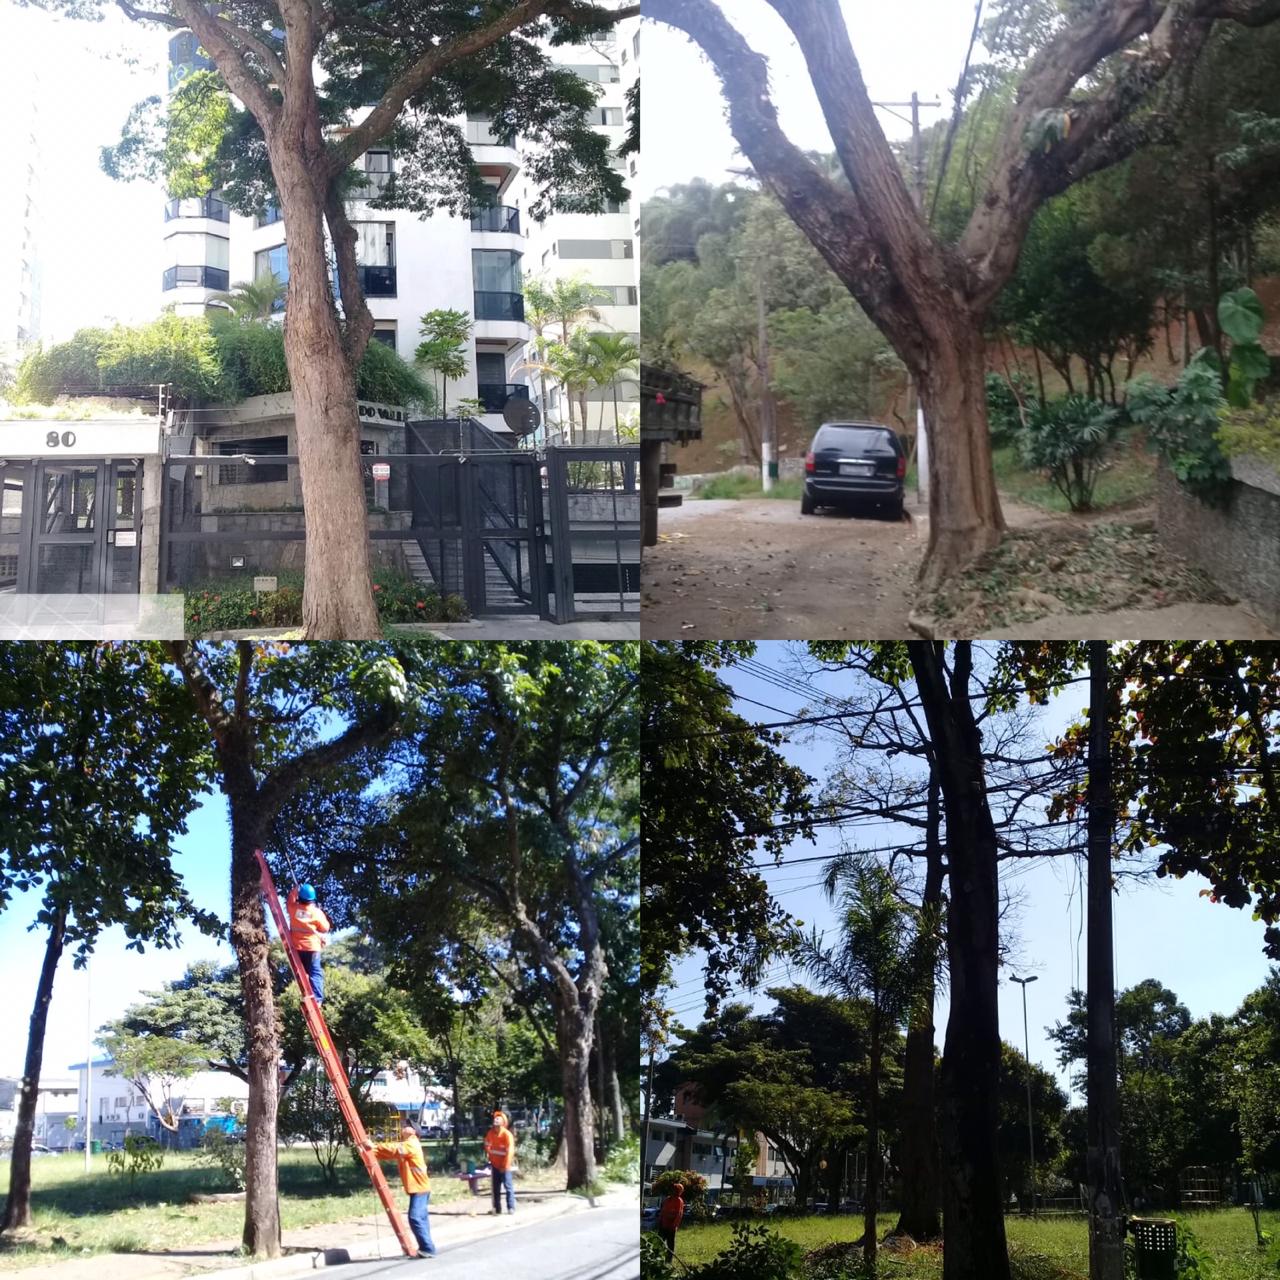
x: 382, y: 471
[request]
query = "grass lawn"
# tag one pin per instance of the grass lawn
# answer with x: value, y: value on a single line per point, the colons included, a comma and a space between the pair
x: 1226, y: 1236
x: 100, y: 1212
x: 1129, y: 478
x: 743, y: 484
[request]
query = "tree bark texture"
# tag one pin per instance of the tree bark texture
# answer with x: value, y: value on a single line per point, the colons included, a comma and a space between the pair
x: 973, y: 1211
x: 871, y: 1201
x: 918, y: 1217
x: 1106, y: 1222
x: 17, y: 1208
x: 262, y: 1041
x: 337, y: 592
x: 573, y: 1036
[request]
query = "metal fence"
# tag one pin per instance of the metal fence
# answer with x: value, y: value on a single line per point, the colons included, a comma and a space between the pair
x: 553, y: 535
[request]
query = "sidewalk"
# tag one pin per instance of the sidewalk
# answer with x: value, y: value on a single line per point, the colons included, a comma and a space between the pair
x: 454, y: 1225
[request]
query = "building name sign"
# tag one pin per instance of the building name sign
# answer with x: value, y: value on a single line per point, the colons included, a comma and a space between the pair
x: 79, y: 439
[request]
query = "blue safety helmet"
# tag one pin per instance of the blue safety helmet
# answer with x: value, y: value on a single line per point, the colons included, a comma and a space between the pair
x: 306, y: 893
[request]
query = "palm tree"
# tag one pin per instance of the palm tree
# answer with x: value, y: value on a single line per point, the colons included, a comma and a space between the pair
x: 613, y: 356
x: 564, y: 302
x: 886, y: 953
x: 538, y: 315
x: 570, y: 364
x: 253, y: 299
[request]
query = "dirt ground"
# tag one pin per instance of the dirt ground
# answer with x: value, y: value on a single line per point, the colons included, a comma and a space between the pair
x: 757, y: 569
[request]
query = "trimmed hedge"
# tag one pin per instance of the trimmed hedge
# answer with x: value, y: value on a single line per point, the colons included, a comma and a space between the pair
x: 235, y: 606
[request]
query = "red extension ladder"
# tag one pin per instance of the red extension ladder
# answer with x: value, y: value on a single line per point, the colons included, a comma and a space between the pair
x: 319, y: 1030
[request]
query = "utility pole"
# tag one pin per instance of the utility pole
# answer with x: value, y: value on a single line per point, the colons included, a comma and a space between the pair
x: 648, y: 1100
x: 1031, y: 1133
x: 917, y: 193
x: 1106, y: 1225
x: 88, y: 1069
x: 768, y: 418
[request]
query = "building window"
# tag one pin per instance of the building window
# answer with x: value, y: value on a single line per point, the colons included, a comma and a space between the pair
x: 496, y: 270
x: 635, y: 44
x: 375, y: 244
x: 605, y: 115
x: 254, y: 473
x: 384, y: 331
x: 595, y: 248
x: 631, y: 168
x: 619, y: 295
x: 269, y: 215
x: 602, y: 73
x: 271, y: 262
x: 617, y: 206
x: 624, y: 57
x: 377, y: 172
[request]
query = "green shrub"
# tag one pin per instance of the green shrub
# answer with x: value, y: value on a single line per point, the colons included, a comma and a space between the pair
x: 1182, y: 422
x: 1255, y: 430
x: 1004, y: 417
x: 139, y: 1155
x: 1068, y: 440
x: 695, y: 1185
x: 756, y: 1253
x: 222, y: 1152
x: 655, y: 1262
x: 623, y: 1164
x: 233, y: 605
x: 219, y: 359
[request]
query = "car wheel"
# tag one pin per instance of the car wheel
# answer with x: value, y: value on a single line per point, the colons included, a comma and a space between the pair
x: 895, y: 509
x: 806, y: 505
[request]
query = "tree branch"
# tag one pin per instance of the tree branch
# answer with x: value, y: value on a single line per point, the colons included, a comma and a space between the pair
x: 358, y: 328
x: 229, y: 59
x: 831, y: 217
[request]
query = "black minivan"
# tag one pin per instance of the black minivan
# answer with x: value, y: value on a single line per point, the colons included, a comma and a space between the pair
x: 854, y: 463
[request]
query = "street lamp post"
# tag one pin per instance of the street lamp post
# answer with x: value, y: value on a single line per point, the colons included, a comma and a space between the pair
x: 1026, y: 1039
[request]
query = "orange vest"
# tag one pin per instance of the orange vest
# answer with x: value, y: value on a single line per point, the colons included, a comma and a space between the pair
x: 500, y: 1147
x: 413, y: 1164
x: 306, y: 923
x: 671, y: 1213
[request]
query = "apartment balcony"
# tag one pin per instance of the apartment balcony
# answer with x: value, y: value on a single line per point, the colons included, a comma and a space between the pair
x: 494, y: 395
x: 198, y: 207
x: 498, y: 217
x: 200, y: 277
x: 499, y: 306
x: 377, y: 282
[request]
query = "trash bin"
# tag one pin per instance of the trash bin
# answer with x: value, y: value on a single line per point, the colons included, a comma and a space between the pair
x: 1155, y: 1247
x: 95, y: 1147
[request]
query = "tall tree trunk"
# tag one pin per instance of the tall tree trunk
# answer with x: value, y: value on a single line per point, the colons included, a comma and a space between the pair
x: 249, y: 939
x: 337, y: 592
x: 17, y: 1208
x: 973, y: 1210
x: 919, y: 1163
x: 615, y: 1097
x: 964, y: 508
x: 573, y: 1035
x: 871, y: 1202
x: 1106, y: 1225
x: 602, y: 1148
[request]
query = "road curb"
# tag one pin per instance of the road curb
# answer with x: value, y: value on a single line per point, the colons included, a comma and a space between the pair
x: 306, y: 1261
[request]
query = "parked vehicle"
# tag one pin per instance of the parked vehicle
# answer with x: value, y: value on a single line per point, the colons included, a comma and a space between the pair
x: 39, y: 1149
x: 851, y: 464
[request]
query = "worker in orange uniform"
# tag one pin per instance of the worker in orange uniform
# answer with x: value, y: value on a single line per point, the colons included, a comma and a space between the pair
x: 500, y: 1148
x: 407, y: 1153
x: 307, y: 927
x: 670, y: 1216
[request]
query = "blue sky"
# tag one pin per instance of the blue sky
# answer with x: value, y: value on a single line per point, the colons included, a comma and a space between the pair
x: 1210, y: 955
x: 117, y: 976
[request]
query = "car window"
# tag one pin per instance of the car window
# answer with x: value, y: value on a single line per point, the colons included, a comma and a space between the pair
x: 854, y: 440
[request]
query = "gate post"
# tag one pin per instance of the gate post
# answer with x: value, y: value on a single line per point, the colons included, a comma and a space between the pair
x: 471, y: 550
x: 561, y: 542
x: 537, y: 539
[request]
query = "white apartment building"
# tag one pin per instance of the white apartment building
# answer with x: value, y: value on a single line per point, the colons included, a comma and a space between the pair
x: 19, y: 205
x: 601, y: 249
x: 411, y: 264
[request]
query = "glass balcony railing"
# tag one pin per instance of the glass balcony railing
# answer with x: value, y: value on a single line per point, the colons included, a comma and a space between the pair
x: 490, y: 305
x: 480, y: 133
x: 378, y: 282
x: 201, y: 277
x: 494, y: 395
x: 498, y: 217
x: 198, y: 207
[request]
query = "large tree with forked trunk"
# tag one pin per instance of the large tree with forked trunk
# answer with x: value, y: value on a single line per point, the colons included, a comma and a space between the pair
x: 302, y: 89
x: 1108, y: 81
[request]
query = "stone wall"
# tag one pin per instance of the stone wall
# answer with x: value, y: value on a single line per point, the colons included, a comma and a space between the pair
x: 1238, y: 544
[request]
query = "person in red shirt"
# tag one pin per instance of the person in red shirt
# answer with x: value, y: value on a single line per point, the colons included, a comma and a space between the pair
x: 307, y: 927
x: 670, y: 1216
x: 500, y: 1148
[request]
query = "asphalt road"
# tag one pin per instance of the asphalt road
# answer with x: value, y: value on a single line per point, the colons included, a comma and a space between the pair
x: 597, y: 1244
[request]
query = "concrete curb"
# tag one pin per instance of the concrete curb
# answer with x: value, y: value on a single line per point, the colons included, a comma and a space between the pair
x: 307, y: 1261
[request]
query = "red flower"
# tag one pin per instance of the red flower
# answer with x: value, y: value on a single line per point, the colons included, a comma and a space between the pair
x: 422, y: 604
x: 376, y: 587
